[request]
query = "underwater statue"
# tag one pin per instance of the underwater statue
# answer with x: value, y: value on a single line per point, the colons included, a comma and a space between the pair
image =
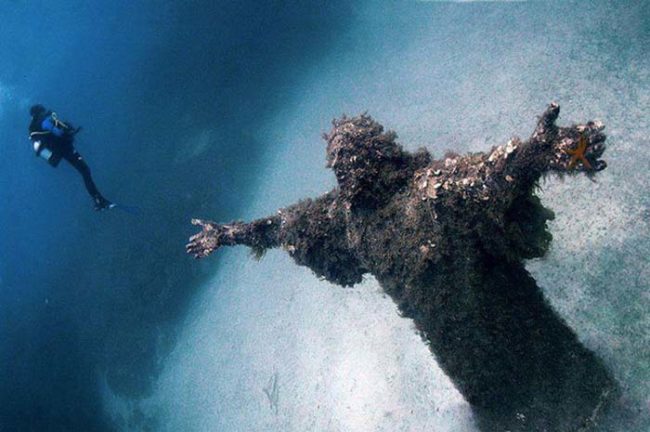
x: 447, y: 240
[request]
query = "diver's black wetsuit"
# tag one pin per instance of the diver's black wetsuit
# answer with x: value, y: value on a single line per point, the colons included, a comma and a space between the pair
x: 58, y: 137
x: 69, y: 153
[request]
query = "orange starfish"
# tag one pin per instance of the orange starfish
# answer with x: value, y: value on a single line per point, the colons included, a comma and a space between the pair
x: 579, y: 153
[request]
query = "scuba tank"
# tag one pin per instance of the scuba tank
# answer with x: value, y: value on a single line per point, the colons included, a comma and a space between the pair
x: 42, y: 151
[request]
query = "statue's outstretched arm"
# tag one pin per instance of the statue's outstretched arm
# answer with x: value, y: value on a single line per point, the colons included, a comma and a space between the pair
x: 571, y: 149
x: 313, y: 232
x: 258, y: 235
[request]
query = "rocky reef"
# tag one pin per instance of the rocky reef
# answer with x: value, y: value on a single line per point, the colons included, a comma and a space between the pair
x: 447, y: 239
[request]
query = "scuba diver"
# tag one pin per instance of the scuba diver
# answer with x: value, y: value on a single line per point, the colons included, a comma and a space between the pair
x: 53, y: 141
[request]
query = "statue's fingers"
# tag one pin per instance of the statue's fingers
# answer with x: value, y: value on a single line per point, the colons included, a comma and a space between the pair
x: 199, y: 254
x: 552, y: 112
x: 197, y: 236
x: 206, y: 225
x: 196, y: 250
x: 549, y: 116
x: 596, y: 125
x: 599, y: 165
x: 596, y: 147
x: 596, y: 138
x: 596, y: 150
x: 191, y: 248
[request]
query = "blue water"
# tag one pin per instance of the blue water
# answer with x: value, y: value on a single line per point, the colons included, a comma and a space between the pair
x: 215, y: 109
x: 81, y: 292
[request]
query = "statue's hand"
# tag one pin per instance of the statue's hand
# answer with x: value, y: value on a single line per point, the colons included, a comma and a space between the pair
x: 211, y: 237
x: 578, y: 148
x: 572, y: 149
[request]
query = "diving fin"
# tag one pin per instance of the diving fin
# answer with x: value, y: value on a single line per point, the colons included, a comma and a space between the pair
x: 102, y: 204
x: 132, y: 210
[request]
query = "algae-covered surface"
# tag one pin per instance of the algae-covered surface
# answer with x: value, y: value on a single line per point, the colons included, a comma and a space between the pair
x: 446, y: 240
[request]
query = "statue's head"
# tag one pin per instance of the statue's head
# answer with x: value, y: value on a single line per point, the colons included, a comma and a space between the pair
x: 369, y: 165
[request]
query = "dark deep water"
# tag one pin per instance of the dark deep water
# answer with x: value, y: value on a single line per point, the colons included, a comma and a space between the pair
x: 171, y: 95
x: 83, y: 293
